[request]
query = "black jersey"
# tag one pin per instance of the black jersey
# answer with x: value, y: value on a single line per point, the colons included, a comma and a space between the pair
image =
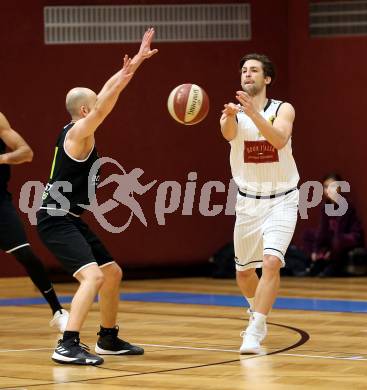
x: 4, y: 171
x: 76, y: 172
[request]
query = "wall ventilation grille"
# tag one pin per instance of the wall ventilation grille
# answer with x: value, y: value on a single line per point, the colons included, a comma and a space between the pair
x: 338, y: 18
x: 173, y: 23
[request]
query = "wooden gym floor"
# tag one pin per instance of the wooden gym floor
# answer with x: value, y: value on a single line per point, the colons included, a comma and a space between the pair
x: 190, y: 331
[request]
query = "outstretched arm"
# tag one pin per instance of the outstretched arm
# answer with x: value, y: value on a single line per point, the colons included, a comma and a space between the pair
x: 228, y: 122
x: 277, y: 133
x: 110, y: 92
x: 20, y: 150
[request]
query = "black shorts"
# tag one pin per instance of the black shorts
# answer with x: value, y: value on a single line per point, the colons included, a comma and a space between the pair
x: 12, y: 234
x: 71, y: 241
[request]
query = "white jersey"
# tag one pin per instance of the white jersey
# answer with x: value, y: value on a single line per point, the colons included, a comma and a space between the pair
x: 257, y: 167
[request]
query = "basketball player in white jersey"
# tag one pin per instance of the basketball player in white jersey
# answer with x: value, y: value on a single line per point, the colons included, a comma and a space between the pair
x: 259, y: 132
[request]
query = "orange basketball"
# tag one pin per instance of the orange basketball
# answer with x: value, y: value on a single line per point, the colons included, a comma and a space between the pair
x: 188, y: 104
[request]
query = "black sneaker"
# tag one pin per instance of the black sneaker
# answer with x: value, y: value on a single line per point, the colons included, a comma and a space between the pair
x: 74, y: 352
x: 109, y: 344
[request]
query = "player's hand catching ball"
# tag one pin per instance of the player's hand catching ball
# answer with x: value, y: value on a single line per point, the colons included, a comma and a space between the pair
x: 230, y: 109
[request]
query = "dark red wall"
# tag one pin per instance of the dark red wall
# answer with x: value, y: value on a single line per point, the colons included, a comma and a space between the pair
x: 327, y: 84
x: 324, y: 84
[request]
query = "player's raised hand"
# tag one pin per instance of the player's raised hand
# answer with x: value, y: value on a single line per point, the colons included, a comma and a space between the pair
x: 145, y: 50
x: 127, y: 72
x: 126, y: 67
x: 246, y: 102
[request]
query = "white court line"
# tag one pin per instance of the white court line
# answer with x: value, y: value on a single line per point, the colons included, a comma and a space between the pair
x: 25, y: 350
x: 325, y: 357
x: 355, y: 358
x: 192, y: 348
x: 236, y: 351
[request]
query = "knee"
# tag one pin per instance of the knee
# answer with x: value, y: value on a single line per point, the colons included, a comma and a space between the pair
x: 97, y: 279
x: 26, y: 256
x: 91, y: 276
x: 244, y: 276
x: 117, y: 273
x: 271, y: 264
x: 113, y: 273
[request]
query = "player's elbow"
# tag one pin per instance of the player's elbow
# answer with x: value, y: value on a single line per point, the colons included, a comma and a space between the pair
x: 28, y: 155
x: 279, y: 144
x: 229, y: 131
x: 229, y: 135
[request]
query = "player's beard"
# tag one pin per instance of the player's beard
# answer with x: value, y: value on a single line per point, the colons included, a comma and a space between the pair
x: 251, y: 89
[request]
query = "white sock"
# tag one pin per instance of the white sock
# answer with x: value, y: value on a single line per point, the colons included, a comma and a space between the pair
x: 251, y: 302
x: 259, y: 319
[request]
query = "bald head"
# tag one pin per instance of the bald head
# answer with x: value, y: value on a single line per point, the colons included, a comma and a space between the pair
x: 80, y: 101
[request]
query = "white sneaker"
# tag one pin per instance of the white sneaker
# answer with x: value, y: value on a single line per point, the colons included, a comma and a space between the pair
x: 250, y: 343
x: 60, y: 320
x: 263, y: 332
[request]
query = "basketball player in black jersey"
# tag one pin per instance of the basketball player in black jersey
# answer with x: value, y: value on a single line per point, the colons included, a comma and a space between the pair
x: 67, y: 236
x: 13, y: 239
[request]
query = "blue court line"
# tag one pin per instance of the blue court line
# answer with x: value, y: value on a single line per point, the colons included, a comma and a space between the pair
x: 239, y: 301
x: 307, y: 304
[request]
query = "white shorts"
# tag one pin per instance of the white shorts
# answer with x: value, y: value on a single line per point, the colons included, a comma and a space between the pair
x: 263, y: 227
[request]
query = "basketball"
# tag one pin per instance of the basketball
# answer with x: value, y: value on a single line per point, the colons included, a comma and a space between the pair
x: 188, y: 104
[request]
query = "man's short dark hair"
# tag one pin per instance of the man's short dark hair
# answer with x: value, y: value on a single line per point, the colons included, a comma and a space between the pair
x: 268, y: 66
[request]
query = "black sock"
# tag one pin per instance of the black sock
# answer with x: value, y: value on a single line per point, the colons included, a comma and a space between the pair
x: 108, y: 331
x: 70, y: 334
x: 38, y: 275
x: 51, y: 298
